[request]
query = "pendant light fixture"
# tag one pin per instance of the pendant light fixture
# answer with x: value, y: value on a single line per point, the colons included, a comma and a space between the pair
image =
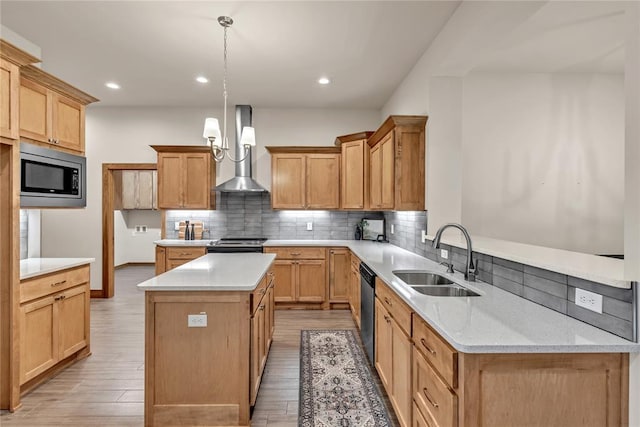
x: 218, y: 142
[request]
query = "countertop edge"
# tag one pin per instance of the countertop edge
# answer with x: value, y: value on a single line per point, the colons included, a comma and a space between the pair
x: 73, y: 262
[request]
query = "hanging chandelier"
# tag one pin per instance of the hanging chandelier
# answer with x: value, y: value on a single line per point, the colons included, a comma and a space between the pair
x: 218, y: 142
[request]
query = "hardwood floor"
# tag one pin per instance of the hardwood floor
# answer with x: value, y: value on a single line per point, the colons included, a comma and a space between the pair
x: 106, y: 389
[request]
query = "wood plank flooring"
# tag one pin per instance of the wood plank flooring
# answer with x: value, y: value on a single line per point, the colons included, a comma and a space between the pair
x: 106, y: 389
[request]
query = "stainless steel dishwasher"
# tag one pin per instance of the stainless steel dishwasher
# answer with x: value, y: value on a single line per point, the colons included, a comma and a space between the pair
x: 367, y: 310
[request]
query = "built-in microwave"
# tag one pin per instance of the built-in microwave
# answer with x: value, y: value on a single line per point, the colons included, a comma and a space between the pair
x: 50, y: 178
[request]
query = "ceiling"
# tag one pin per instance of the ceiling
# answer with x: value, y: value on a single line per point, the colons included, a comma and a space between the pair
x: 278, y: 50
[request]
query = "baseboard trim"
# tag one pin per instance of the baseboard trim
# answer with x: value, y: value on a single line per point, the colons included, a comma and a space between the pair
x: 135, y: 264
x: 97, y: 293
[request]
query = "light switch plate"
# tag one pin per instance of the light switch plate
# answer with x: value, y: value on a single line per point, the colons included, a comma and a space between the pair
x: 176, y: 226
x: 309, y: 226
x: 392, y: 229
x: 424, y: 236
x: 444, y: 253
x: 197, y: 320
x: 589, y: 300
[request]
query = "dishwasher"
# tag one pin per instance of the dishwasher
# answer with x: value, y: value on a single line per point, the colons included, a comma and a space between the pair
x: 367, y: 310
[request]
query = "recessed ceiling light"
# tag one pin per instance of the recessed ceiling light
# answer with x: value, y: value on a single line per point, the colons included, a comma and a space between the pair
x: 112, y: 85
x: 324, y: 80
x: 202, y: 79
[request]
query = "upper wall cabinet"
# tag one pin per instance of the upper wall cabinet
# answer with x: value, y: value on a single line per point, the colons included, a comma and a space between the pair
x: 11, y: 59
x: 354, y: 177
x: 397, y: 164
x: 186, y: 177
x: 305, y: 177
x: 135, y: 189
x: 51, y: 111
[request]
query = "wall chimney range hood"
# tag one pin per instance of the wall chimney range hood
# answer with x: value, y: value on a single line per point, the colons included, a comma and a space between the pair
x: 242, y: 181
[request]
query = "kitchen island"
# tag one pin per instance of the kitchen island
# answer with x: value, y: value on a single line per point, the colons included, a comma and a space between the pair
x: 208, y: 329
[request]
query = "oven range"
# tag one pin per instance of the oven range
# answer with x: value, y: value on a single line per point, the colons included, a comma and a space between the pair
x: 237, y: 244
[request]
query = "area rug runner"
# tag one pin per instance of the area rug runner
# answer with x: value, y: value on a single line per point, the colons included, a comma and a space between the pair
x: 336, y: 386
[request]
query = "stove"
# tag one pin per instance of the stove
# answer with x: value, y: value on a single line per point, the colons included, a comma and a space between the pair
x: 237, y: 244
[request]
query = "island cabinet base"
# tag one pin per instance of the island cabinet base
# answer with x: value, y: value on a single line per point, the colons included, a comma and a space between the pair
x: 565, y: 390
x: 197, y: 376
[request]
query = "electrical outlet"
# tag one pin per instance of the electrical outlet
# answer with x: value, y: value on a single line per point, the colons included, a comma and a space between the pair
x: 392, y: 229
x: 197, y: 320
x: 309, y: 226
x: 589, y: 300
x: 176, y: 225
x: 444, y: 253
x: 424, y: 236
x: 144, y: 228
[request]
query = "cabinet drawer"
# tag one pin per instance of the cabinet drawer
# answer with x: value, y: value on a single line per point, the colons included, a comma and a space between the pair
x: 185, y: 253
x: 418, y: 419
x: 397, y: 308
x: 259, y: 292
x: 441, y: 356
x: 434, y: 399
x: 297, y: 252
x: 355, y: 261
x: 40, y: 286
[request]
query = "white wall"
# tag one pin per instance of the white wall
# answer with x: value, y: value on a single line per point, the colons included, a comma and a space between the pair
x: 131, y: 246
x: 543, y: 158
x: 123, y: 135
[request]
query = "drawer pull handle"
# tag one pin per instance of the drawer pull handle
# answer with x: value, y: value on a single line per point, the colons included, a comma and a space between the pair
x: 295, y: 253
x: 263, y: 291
x: 424, y: 343
x: 58, y: 283
x: 387, y: 319
x: 429, y: 399
x: 184, y: 253
x: 261, y: 307
x: 388, y: 302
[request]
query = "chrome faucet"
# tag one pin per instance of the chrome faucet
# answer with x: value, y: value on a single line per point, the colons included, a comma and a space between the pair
x: 470, y: 274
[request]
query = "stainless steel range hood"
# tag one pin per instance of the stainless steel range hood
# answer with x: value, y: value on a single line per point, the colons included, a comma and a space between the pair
x: 242, y: 181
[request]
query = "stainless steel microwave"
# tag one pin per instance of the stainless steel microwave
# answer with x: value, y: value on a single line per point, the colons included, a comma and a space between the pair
x: 50, y: 178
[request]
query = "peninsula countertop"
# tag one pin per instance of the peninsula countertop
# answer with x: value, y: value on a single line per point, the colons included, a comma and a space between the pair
x: 33, y: 267
x: 214, y: 272
x: 495, y: 322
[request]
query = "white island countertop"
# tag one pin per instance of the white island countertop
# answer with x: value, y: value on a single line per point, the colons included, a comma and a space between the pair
x: 183, y: 243
x: 494, y: 322
x: 214, y: 272
x: 33, y: 267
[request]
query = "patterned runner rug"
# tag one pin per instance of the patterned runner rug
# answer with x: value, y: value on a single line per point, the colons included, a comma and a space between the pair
x: 336, y: 386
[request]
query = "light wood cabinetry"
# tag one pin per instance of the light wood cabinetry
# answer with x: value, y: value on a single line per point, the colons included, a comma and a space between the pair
x: 397, y: 164
x: 205, y: 375
x: 186, y: 177
x: 354, y: 173
x: 393, y: 355
x: 305, y: 177
x: 453, y: 389
x: 354, y: 289
x: 135, y: 189
x: 339, y: 275
x: 54, y: 322
x: 300, y: 276
x: 52, y: 113
x: 170, y: 257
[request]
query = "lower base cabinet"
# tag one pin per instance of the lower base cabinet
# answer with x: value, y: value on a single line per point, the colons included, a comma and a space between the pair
x: 54, y: 322
x: 354, y: 289
x: 170, y: 257
x: 453, y: 389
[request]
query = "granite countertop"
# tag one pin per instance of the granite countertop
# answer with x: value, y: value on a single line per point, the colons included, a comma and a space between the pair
x: 182, y: 242
x: 214, y: 272
x: 33, y: 267
x: 495, y: 322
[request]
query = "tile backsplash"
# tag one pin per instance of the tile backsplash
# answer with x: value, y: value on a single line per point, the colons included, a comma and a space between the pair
x: 24, y: 234
x: 250, y: 215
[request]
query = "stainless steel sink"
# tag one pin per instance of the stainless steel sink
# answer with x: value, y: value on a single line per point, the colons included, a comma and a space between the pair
x: 445, y: 291
x: 418, y: 277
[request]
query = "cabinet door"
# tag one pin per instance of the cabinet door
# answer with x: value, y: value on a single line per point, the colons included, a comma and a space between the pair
x: 154, y: 189
x: 353, y: 175
x: 287, y: 181
x: 401, y: 374
x: 311, y: 280
x: 339, y: 275
x: 38, y: 337
x: 160, y: 260
x: 272, y: 313
x: 387, y: 154
x: 284, y: 280
x: 355, y: 295
x: 255, y: 357
x: 418, y: 418
x: 375, y: 177
x: 383, y: 342
x: 145, y: 196
x: 35, y: 111
x: 173, y: 263
x: 129, y: 194
x: 197, y: 184
x: 68, y: 123
x: 323, y: 181
x: 410, y: 169
x: 170, y: 180
x: 73, y: 316
x: 9, y: 90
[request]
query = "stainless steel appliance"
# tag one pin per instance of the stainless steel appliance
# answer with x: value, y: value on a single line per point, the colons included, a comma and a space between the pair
x: 367, y: 310
x: 51, y: 178
x: 237, y: 244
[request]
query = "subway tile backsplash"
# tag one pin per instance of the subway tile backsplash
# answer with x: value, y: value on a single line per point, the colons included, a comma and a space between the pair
x: 250, y: 215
